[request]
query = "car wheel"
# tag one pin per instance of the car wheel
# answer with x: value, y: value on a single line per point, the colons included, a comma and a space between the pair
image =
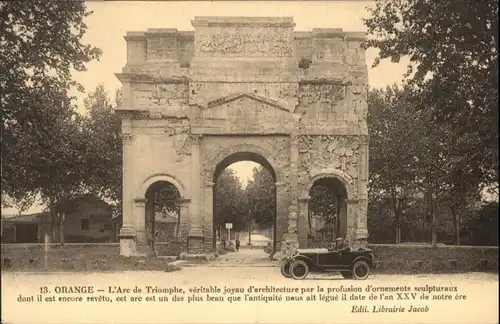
x: 299, y: 270
x: 360, y: 270
x: 346, y: 274
x: 285, y: 269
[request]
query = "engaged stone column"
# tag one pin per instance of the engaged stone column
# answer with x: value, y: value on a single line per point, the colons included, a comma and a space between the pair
x: 195, y: 239
x: 303, y: 222
x: 352, y: 216
x: 127, y: 232
x: 361, y: 225
x: 184, y: 222
x: 294, y: 189
x: 208, y: 199
x: 282, y: 215
x: 140, y: 227
x: 140, y: 220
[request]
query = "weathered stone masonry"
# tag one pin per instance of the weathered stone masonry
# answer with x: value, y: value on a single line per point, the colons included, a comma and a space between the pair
x: 233, y: 85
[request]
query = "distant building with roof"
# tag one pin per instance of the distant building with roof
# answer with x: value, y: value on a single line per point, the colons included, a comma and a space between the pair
x: 88, y: 219
x: 25, y: 228
x: 166, y: 226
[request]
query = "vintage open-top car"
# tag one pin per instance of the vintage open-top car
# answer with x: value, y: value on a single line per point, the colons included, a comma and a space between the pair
x: 352, y: 264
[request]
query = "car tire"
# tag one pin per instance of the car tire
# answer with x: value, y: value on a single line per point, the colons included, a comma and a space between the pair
x: 360, y: 270
x: 346, y: 274
x: 299, y: 270
x: 285, y: 269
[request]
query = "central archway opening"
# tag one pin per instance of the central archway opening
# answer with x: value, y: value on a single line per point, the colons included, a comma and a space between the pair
x: 244, y: 206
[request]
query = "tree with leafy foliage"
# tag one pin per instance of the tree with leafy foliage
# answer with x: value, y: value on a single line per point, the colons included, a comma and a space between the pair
x: 260, y: 194
x: 453, y: 50
x: 104, y: 154
x: 64, y: 170
x: 393, y: 141
x: 483, y: 228
x: 229, y: 202
x: 327, y: 196
x: 40, y: 45
x: 412, y: 155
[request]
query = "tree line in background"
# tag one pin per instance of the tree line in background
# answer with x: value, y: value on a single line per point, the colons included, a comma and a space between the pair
x: 420, y: 188
x: 247, y: 207
x: 433, y: 141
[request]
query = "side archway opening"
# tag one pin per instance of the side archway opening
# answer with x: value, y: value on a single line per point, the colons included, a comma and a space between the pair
x: 163, y: 217
x: 327, y: 211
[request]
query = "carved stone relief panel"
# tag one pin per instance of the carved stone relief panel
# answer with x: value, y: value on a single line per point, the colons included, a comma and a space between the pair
x: 244, y: 41
x: 327, y: 152
x: 310, y: 93
x: 181, y: 135
x: 359, y: 97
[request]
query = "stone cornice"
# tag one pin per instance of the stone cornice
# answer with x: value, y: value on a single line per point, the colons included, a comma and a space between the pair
x: 332, y: 80
x: 135, y: 36
x: 243, y: 21
x: 327, y: 33
x: 161, y: 31
x: 132, y: 113
x: 330, y: 33
x: 355, y: 36
x: 148, y: 78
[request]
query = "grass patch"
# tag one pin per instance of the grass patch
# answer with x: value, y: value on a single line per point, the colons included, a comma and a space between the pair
x: 94, y: 258
x: 414, y: 259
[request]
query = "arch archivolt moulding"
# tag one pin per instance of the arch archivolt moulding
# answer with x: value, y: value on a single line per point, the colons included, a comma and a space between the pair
x: 343, y: 177
x: 265, y: 149
x: 141, y: 191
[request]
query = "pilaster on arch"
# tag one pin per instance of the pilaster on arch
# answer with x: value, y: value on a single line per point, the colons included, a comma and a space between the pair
x: 344, y: 178
x: 141, y: 192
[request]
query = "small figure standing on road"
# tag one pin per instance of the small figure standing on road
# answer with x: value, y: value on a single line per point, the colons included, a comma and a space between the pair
x: 223, y: 243
x: 237, y: 244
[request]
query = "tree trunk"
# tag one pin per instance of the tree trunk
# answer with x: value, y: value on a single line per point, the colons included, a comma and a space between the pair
x: 61, y: 228
x: 397, y: 219
x: 53, y: 225
x: 434, y: 223
x: 456, y: 223
x: 249, y: 231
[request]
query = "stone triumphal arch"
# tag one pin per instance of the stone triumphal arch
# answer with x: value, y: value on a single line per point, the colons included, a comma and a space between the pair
x: 239, y: 87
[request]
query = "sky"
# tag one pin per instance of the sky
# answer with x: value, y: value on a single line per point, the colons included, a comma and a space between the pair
x: 111, y: 20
